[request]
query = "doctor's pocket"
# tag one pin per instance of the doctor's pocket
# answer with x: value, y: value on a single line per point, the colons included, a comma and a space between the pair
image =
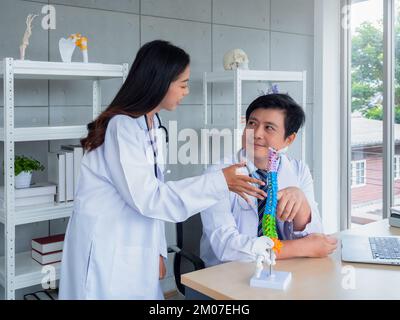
x: 135, y: 272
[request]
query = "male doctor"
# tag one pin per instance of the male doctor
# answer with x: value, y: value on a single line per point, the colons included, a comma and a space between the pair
x: 272, y: 120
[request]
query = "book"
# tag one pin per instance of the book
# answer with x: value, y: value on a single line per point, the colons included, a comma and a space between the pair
x: 395, y: 209
x: 47, y: 258
x: 56, y: 173
x: 36, y: 189
x: 48, y: 244
x: 38, y: 193
x: 28, y: 201
x: 78, y: 155
x: 69, y: 176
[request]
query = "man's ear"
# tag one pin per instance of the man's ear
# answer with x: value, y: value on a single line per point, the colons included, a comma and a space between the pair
x: 291, y: 138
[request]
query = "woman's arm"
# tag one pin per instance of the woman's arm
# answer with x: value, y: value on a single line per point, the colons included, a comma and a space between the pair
x: 132, y: 174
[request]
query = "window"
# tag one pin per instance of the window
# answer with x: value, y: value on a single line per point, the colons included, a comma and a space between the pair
x: 372, y: 114
x: 365, y: 111
x: 358, y: 173
x: 396, y: 132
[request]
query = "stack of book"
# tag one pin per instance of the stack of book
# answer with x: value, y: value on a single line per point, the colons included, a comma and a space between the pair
x: 48, y: 250
x: 395, y: 209
x: 394, y: 219
x: 63, y: 170
x: 36, y: 194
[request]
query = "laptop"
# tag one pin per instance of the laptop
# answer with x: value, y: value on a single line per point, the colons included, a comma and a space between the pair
x: 380, y: 250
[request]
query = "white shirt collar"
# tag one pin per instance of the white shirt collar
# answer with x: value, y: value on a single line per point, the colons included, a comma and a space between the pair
x: 251, y: 168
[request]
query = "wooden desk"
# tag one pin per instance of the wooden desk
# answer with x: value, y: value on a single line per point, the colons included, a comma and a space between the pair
x: 312, y: 278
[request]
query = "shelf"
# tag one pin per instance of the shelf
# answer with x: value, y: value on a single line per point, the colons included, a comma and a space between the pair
x: 37, y: 213
x: 254, y: 75
x: 218, y: 126
x: 28, y: 272
x: 219, y: 129
x: 25, y: 69
x: 46, y: 133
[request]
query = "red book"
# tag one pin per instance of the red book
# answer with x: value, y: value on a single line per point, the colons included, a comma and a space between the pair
x: 47, y: 258
x: 48, y: 244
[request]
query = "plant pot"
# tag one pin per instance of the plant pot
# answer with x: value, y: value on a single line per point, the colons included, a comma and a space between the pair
x: 23, y: 180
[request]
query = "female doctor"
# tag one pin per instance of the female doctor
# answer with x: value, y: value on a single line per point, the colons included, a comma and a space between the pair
x: 115, y: 240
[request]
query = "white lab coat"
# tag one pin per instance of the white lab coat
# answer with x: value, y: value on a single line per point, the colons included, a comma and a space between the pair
x: 230, y: 226
x: 116, y: 233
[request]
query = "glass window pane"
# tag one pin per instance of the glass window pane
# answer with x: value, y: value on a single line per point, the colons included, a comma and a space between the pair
x: 366, y: 110
x: 396, y: 183
x: 396, y: 129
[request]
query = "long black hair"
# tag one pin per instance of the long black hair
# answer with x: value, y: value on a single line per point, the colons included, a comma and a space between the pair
x: 157, y: 64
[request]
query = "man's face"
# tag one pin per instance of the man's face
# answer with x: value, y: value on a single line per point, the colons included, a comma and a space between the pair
x: 265, y: 128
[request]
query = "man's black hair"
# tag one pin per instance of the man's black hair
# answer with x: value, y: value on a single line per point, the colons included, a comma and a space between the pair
x: 294, y: 114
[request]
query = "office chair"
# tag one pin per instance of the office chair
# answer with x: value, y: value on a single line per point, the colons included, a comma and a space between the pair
x: 181, y: 253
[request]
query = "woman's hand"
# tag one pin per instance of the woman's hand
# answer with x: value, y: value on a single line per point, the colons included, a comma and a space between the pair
x: 162, y: 268
x: 240, y: 183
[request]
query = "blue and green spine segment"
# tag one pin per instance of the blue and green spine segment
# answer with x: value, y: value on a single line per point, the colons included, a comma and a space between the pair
x: 269, y: 217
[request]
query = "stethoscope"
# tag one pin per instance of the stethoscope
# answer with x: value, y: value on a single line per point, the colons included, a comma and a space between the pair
x: 160, y: 126
x: 252, y: 173
x: 243, y: 158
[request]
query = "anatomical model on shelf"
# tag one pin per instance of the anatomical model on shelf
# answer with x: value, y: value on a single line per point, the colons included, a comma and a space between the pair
x: 67, y: 47
x: 236, y: 59
x: 27, y: 34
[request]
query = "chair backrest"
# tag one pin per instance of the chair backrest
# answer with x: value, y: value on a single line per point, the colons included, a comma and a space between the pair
x: 186, y: 258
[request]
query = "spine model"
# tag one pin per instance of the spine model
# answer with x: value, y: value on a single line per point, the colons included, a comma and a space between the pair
x: 269, y: 217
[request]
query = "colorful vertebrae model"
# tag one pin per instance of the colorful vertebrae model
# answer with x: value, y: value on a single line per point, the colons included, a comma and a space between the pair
x: 269, y: 217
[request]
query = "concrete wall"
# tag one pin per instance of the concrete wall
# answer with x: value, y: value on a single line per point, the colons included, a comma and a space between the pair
x: 276, y: 35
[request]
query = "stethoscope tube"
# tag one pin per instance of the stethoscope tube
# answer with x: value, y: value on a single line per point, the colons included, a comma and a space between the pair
x: 160, y: 126
x: 163, y: 128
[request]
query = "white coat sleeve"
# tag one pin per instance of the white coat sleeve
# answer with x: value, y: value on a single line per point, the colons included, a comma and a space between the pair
x: 223, y: 234
x: 132, y: 174
x: 306, y: 184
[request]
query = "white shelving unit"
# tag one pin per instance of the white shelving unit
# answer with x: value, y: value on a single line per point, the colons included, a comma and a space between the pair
x: 19, y: 270
x: 236, y: 78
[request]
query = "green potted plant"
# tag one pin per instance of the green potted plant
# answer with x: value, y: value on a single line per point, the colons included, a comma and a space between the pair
x: 23, y: 168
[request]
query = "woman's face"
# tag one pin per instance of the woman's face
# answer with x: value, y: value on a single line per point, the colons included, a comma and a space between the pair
x: 178, y: 89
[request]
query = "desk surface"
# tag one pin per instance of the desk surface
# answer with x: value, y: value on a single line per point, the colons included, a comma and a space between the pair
x: 312, y: 278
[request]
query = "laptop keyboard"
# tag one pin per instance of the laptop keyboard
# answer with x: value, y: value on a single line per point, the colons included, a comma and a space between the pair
x: 385, y: 247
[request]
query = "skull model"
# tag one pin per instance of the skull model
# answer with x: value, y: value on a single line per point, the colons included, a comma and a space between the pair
x: 236, y: 59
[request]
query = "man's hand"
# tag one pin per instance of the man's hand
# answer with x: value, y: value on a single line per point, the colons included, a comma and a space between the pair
x: 293, y: 206
x: 162, y: 268
x: 318, y: 245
